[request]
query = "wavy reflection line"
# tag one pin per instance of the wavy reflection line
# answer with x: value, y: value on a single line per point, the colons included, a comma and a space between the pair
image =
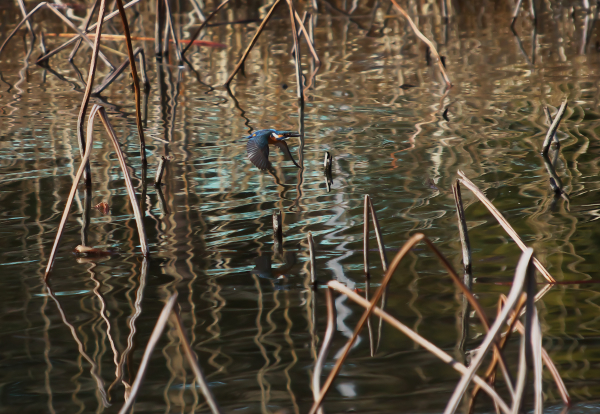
x: 260, y: 376
x: 94, y: 366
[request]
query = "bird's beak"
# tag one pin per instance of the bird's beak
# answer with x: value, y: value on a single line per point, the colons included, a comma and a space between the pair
x: 287, y: 134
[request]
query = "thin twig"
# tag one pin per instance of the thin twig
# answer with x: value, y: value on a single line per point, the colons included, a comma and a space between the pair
x: 160, y: 171
x: 297, y: 55
x: 316, y: 379
x: 311, y: 250
x: 463, y: 231
x: 309, y: 42
x: 204, y: 23
x: 252, y: 42
x: 171, y: 28
x: 425, y: 40
x: 85, y: 26
x: 505, y: 225
x: 156, y: 334
x: 114, y: 74
x: 29, y: 26
x: 554, y: 127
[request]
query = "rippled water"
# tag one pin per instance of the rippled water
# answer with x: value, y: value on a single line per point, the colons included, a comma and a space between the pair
x: 251, y: 316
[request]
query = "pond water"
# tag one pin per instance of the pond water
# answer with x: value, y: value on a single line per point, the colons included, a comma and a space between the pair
x: 251, y: 316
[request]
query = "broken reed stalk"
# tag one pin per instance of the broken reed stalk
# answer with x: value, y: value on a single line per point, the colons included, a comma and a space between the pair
x: 204, y: 23
x: 64, y: 19
x: 549, y: 120
x: 88, y: 90
x: 193, y: 361
x: 160, y: 171
x: 368, y: 206
x: 308, y: 40
x: 29, y: 26
x: 327, y: 162
x: 84, y: 162
x: 136, y: 81
x: 85, y: 26
x: 420, y: 341
x: 463, y: 231
x: 297, y: 55
x: 109, y: 16
x: 410, y: 243
x: 316, y: 379
x: 505, y: 225
x: 171, y: 28
x: 311, y: 250
x: 553, y: 128
x: 277, y: 227
x: 157, y: 27
x: 490, y: 338
x: 425, y: 40
x: 156, y: 334
x: 113, y: 75
x: 252, y: 42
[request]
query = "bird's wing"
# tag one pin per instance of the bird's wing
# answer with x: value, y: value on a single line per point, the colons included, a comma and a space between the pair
x: 283, y: 146
x: 259, y: 156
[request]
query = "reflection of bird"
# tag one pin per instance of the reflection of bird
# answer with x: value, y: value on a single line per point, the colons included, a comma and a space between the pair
x: 258, y: 146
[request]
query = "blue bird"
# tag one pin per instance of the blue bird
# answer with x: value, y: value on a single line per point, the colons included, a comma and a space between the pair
x: 258, y: 146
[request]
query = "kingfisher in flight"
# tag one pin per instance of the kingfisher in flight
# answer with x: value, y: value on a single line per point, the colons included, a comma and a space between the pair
x: 258, y: 146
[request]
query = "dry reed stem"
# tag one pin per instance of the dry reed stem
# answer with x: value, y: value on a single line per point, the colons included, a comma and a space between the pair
x: 171, y: 28
x: 420, y: 341
x: 156, y: 334
x: 521, y: 376
x: 425, y: 40
x: 316, y: 379
x: 29, y: 26
x: 130, y: 190
x: 368, y: 206
x: 311, y: 249
x: 416, y: 238
x: 136, y: 81
x: 536, y: 344
x: 77, y: 37
x: 549, y: 120
x: 85, y: 26
x: 308, y: 40
x: 553, y: 128
x: 88, y: 89
x: 193, y: 361
x: 463, y: 230
x: 114, y: 74
x: 297, y: 55
x: 252, y: 42
x: 157, y: 26
x: 277, y: 227
x: 505, y: 225
x: 84, y: 162
x: 160, y: 171
x: 204, y: 23
x: 513, y: 296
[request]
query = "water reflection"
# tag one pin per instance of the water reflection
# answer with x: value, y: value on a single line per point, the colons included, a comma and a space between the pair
x: 374, y: 104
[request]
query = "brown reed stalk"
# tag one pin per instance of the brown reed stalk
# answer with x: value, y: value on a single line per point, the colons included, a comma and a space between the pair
x: 193, y: 361
x: 53, y: 52
x: 63, y: 18
x: 307, y: 38
x: 160, y: 171
x: 420, y: 341
x: 158, y: 51
x: 204, y: 23
x: 84, y: 162
x: 522, y: 271
x: 171, y: 28
x: 463, y: 231
x: 114, y: 74
x: 311, y: 249
x: 549, y: 120
x: 163, y: 318
x: 505, y: 225
x: 136, y: 81
x: 553, y: 128
x: 29, y: 26
x: 410, y: 243
x: 88, y: 89
x: 85, y: 26
x: 368, y: 207
x: 316, y: 378
x: 252, y: 42
x: 425, y: 40
x: 297, y: 55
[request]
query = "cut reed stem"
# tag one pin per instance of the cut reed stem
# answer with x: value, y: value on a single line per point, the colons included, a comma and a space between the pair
x: 277, y: 227
x: 160, y: 171
x: 553, y: 128
x: 311, y: 250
